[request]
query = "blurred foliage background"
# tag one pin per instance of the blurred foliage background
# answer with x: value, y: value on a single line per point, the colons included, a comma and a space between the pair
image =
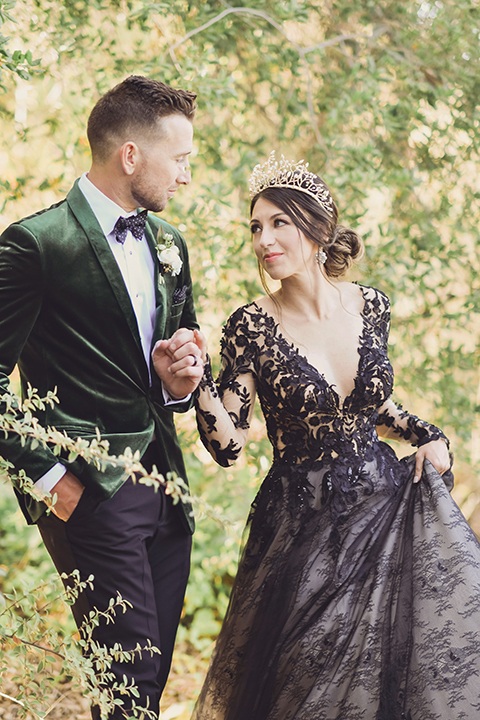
x: 381, y: 97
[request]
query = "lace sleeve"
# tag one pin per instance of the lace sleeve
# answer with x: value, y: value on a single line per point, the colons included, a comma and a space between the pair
x: 395, y: 423
x: 224, y: 409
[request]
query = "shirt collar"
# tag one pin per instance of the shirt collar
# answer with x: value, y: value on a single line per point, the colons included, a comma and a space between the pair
x: 105, y: 210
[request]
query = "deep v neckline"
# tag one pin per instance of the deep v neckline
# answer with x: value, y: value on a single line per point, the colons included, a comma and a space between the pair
x: 340, y: 401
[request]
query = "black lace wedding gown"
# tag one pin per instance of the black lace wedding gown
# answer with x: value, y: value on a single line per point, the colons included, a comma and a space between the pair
x: 358, y: 592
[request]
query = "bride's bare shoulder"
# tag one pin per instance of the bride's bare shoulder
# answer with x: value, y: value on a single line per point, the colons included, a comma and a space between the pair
x: 352, y: 295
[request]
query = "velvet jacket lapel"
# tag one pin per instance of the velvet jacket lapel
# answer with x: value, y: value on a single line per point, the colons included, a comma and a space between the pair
x: 86, y: 218
x: 162, y: 285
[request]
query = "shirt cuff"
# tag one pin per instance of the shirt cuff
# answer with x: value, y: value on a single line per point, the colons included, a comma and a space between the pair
x: 48, y: 481
x: 170, y: 401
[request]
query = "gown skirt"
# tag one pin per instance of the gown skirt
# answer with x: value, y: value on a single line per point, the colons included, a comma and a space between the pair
x: 362, y: 609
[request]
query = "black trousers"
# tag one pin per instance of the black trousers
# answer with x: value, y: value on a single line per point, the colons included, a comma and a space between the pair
x: 134, y: 544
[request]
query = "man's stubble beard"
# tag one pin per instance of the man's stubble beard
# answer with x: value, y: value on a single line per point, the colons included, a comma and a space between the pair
x: 143, y: 198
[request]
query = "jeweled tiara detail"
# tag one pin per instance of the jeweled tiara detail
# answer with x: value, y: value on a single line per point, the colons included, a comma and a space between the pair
x: 284, y: 173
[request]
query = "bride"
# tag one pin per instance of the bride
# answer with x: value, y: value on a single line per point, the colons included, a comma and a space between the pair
x: 357, y: 594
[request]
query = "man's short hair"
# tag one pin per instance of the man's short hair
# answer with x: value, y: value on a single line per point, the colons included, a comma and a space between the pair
x: 134, y: 105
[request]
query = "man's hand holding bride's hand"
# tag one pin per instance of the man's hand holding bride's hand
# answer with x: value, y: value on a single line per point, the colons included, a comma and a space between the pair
x: 179, y: 361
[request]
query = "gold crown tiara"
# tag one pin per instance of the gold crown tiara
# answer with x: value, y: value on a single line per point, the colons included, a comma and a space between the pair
x: 284, y: 173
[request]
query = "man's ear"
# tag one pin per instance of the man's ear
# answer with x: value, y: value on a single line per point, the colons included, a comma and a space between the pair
x: 129, y: 157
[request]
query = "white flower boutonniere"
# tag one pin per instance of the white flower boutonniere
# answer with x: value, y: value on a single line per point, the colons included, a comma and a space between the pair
x: 168, y: 253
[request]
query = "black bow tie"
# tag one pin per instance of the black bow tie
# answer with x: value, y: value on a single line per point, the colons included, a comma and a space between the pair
x: 134, y: 223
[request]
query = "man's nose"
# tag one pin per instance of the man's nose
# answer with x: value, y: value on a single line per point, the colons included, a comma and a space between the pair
x: 185, y: 176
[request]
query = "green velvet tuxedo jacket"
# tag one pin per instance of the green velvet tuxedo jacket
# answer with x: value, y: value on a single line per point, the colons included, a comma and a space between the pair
x: 67, y: 320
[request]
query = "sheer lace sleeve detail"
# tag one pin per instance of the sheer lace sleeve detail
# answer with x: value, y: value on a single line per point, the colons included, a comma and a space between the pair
x: 395, y: 423
x: 377, y: 312
x: 224, y: 409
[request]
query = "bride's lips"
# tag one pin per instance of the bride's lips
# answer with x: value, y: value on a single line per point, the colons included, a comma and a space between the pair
x: 271, y: 257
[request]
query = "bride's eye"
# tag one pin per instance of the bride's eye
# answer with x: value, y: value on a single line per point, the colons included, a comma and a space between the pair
x: 254, y: 228
x: 279, y: 222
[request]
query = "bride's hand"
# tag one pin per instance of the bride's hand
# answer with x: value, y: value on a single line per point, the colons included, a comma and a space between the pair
x: 435, y: 451
x: 201, y: 342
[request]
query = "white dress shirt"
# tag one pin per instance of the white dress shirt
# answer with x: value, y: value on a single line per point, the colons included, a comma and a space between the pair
x: 136, y: 264
x: 134, y: 260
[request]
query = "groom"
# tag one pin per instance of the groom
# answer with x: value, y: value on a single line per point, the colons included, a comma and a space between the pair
x: 83, y: 299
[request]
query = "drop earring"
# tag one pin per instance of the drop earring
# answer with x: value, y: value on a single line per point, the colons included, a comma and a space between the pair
x: 320, y: 257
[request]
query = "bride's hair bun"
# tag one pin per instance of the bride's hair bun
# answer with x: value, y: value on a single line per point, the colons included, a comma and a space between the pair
x: 342, y: 250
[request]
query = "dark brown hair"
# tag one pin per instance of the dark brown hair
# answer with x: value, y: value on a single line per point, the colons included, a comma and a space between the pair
x: 135, y: 105
x: 341, y: 244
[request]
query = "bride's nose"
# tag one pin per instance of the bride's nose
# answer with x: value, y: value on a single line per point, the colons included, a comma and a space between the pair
x: 267, y: 237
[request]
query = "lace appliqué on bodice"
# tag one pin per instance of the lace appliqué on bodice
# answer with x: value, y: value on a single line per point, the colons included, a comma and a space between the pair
x: 308, y: 423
